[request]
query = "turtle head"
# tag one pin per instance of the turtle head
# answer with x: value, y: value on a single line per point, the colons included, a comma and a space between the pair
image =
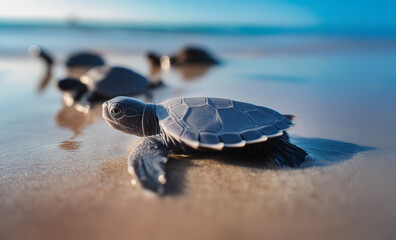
x: 125, y: 114
x: 36, y: 51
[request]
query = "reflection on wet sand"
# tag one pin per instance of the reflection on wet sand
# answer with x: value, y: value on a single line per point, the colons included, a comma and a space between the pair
x: 70, y: 145
x: 192, y: 72
x: 155, y: 76
x: 188, y: 72
x: 46, y: 78
x: 69, y: 117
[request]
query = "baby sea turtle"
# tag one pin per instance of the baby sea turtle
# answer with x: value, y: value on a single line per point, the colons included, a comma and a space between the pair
x: 76, y: 60
x: 185, y: 56
x: 195, y: 125
x: 103, y: 83
x: 193, y: 55
x: 191, y: 62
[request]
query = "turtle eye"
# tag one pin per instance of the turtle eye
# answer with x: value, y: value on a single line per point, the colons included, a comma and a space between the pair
x: 116, y: 111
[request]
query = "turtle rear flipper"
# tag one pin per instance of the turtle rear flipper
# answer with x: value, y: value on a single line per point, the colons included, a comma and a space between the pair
x: 147, y: 163
x: 290, y: 117
x: 283, y: 153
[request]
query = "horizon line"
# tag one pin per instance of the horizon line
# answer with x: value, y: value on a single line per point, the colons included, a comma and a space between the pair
x: 190, y: 27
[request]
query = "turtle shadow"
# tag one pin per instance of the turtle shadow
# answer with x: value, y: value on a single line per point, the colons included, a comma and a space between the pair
x: 176, y: 169
x: 326, y: 152
x: 322, y: 152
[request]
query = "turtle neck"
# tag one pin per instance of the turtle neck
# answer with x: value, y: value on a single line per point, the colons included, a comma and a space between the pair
x: 150, y: 123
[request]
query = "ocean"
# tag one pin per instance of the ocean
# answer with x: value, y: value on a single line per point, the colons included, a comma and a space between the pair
x: 60, y: 38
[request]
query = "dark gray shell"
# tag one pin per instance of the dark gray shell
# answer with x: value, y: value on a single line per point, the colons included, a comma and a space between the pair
x: 111, y: 82
x: 216, y: 123
x: 193, y: 55
x: 84, y: 59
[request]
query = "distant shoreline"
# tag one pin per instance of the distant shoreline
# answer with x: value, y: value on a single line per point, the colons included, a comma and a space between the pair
x: 222, y: 29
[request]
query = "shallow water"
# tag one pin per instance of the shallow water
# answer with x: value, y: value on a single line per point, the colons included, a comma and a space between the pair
x: 63, y: 173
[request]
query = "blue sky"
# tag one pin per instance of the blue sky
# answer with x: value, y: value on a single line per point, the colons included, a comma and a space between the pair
x: 363, y: 13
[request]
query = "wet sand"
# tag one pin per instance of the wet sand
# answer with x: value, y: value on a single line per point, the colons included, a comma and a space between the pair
x: 63, y: 174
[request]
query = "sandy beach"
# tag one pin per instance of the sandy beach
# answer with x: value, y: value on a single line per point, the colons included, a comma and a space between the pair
x: 63, y: 173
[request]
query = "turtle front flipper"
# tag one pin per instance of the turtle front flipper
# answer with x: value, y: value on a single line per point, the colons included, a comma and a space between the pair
x: 147, y: 163
x: 70, y: 84
x: 74, y: 90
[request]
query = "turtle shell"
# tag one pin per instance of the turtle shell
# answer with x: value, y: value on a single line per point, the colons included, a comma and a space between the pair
x: 193, y: 55
x: 216, y: 123
x: 111, y: 82
x: 84, y: 59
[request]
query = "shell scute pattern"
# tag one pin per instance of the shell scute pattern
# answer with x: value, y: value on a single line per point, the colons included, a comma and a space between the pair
x: 270, y: 131
x: 229, y: 117
x: 175, y: 128
x: 162, y: 112
x: 232, y: 139
x: 174, y: 102
x: 220, y: 103
x: 243, y: 106
x: 196, y: 101
x: 191, y: 138
x: 216, y: 123
x: 272, y: 113
x: 209, y: 138
x: 259, y: 117
x: 203, y: 118
x: 180, y: 110
x: 267, y: 111
x: 253, y: 135
x: 281, y: 125
x: 167, y: 121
